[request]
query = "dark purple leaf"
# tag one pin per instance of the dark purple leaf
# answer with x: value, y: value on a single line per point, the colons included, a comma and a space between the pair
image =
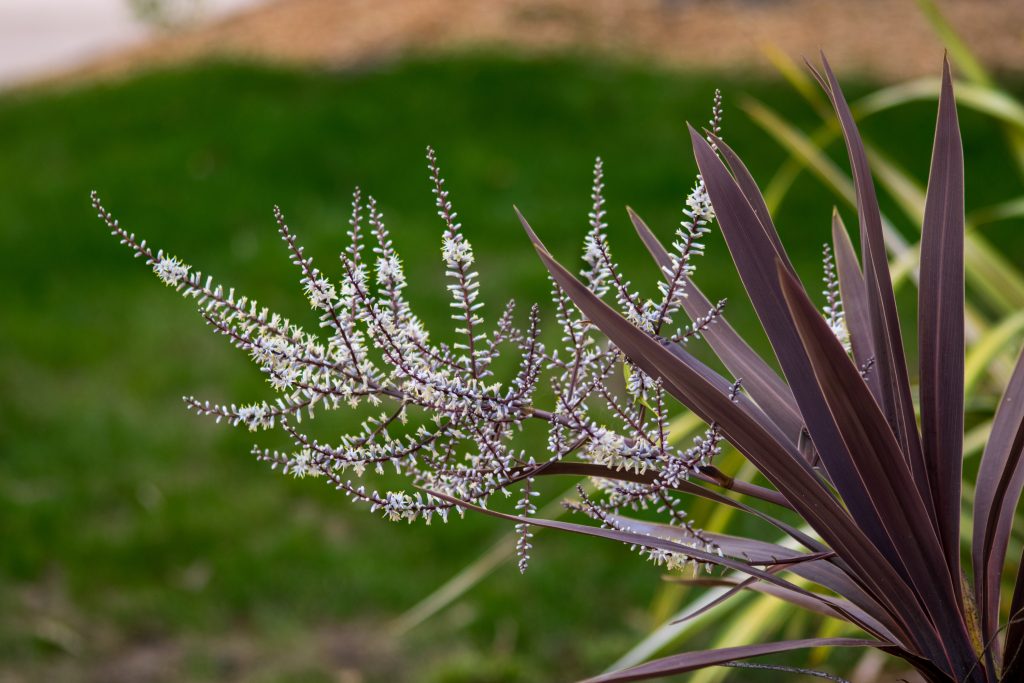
x: 940, y: 324
x: 824, y: 573
x: 864, y: 609
x: 752, y: 252
x: 780, y: 464
x: 1013, y: 645
x: 760, y: 381
x: 650, y: 541
x: 998, y: 489
x: 590, y: 469
x: 854, y: 295
x: 725, y: 387
x: 691, y: 661
x: 887, y: 480
x: 633, y: 538
x: 819, y: 606
x: 890, y: 363
x: 745, y: 182
x: 733, y: 591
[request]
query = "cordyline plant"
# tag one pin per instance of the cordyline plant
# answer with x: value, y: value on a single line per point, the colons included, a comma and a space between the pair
x: 836, y: 435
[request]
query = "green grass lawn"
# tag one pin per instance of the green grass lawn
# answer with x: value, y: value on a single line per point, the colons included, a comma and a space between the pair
x: 142, y: 543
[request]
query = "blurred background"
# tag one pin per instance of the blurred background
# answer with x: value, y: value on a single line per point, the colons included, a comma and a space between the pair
x: 141, y: 543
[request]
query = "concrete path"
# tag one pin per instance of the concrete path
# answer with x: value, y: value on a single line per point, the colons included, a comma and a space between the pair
x: 43, y: 37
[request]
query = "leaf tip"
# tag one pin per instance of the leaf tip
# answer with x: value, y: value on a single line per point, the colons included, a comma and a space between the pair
x: 529, y: 231
x: 947, y: 75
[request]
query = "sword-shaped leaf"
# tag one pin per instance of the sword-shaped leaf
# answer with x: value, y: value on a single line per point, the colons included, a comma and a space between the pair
x: 865, y: 429
x: 782, y: 466
x: 752, y: 252
x: 998, y: 489
x: 690, y: 661
x: 867, y: 612
x: 745, y: 182
x: 854, y: 295
x: 633, y: 538
x: 1013, y: 645
x: 940, y: 325
x: 890, y: 363
x: 760, y: 381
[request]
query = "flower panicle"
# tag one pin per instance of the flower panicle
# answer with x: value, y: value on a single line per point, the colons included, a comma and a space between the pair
x: 438, y: 415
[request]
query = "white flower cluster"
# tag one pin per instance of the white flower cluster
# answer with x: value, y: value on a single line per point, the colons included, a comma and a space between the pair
x: 525, y: 507
x: 596, y: 253
x: 697, y: 217
x: 440, y: 419
x: 389, y: 269
x: 320, y: 292
x: 170, y: 270
x: 255, y: 416
x: 833, y: 308
x: 457, y: 252
x: 606, y: 448
x: 303, y: 464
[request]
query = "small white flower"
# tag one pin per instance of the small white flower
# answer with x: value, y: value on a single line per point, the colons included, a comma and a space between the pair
x: 699, y: 203
x: 606, y: 446
x: 639, y: 384
x: 270, y: 349
x: 320, y: 292
x: 833, y: 309
x: 457, y: 252
x: 255, y: 416
x: 838, y: 326
x: 591, y: 249
x: 170, y: 270
x: 390, y: 269
x: 303, y: 465
x: 397, y: 506
x: 283, y: 379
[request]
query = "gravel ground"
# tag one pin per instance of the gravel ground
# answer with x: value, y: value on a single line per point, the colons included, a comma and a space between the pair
x: 886, y: 39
